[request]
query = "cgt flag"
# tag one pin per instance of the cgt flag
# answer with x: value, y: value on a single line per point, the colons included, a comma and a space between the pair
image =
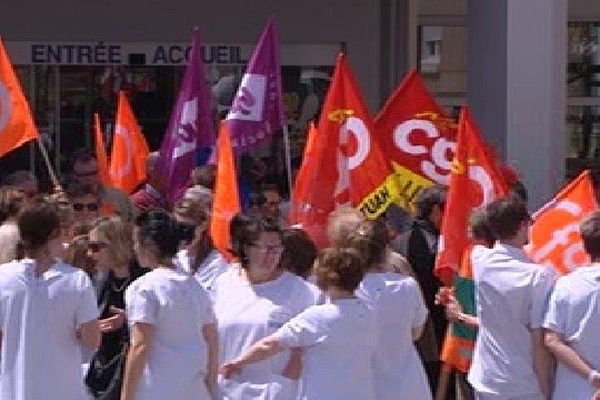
x: 16, y: 122
x: 257, y: 109
x: 418, y: 137
x: 190, y: 129
x: 346, y: 167
x: 129, y: 150
x: 554, y: 235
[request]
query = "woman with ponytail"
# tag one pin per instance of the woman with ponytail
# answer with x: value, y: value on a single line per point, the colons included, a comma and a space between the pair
x: 173, y: 348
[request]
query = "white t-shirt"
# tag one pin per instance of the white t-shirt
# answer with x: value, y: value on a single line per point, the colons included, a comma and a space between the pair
x: 247, y: 313
x: 338, y: 342
x: 399, y: 307
x: 209, y: 269
x: 511, y: 293
x: 574, y: 313
x: 178, y: 308
x: 41, y: 355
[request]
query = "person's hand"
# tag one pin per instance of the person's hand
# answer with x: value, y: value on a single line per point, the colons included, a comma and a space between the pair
x: 113, y: 323
x: 293, y: 369
x: 453, y: 310
x: 596, y: 395
x: 230, y: 369
x: 595, y: 382
x: 443, y: 295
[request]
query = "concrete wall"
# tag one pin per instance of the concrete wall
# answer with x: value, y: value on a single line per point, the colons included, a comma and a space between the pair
x: 356, y: 22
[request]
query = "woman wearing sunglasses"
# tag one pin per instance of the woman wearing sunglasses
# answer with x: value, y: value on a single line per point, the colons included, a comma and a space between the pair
x: 252, y: 301
x: 111, y: 250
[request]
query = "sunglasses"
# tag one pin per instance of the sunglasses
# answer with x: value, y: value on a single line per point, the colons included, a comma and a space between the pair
x: 87, y: 206
x: 83, y: 174
x: 96, y: 247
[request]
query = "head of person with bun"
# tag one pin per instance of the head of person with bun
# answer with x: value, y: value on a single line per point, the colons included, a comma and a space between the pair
x: 156, y: 237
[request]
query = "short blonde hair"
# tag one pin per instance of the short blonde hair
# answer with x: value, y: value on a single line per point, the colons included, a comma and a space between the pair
x: 341, y: 223
x: 119, y: 235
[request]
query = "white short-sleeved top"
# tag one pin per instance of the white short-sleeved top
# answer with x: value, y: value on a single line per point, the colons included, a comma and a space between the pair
x: 39, y: 316
x: 247, y: 313
x: 209, y: 269
x: 178, y: 308
x: 574, y: 313
x: 338, y: 342
x: 399, y: 307
x: 511, y: 293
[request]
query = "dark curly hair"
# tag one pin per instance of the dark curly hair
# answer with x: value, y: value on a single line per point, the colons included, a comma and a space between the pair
x: 245, y: 229
x: 342, y: 268
x: 299, y: 252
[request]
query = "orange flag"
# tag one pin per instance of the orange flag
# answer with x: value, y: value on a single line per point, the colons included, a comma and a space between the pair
x: 474, y: 182
x: 16, y: 121
x: 418, y: 137
x: 101, y: 153
x: 129, y: 150
x: 348, y: 168
x: 226, y: 200
x: 554, y: 236
x: 301, y: 183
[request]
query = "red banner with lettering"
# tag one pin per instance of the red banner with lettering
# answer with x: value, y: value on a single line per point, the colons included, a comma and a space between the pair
x: 417, y: 136
x: 554, y: 236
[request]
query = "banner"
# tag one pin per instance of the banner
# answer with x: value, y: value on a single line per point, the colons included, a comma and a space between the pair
x: 418, y: 137
x: 554, y: 235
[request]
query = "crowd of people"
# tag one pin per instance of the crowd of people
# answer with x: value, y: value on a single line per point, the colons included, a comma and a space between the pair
x: 104, y: 296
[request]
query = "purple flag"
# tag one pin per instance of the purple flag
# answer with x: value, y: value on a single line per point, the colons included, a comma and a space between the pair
x: 257, y: 109
x: 190, y: 130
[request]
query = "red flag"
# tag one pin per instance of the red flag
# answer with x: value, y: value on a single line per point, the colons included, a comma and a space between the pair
x: 101, y: 156
x: 554, y: 236
x: 129, y: 150
x: 474, y: 182
x: 348, y: 168
x: 226, y: 200
x: 16, y: 122
x: 302, y: 182
x: 417, y: 136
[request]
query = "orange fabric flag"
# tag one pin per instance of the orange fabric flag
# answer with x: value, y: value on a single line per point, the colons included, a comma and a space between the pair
x: 129, y: 150
x: 101, y: 156
x: 418, y: 137
x: 301, y: 183
x: 16, y: 121
x: 226, y: 200
x: 554, y: 235
x: 348, y: 168
x: 474, y: 182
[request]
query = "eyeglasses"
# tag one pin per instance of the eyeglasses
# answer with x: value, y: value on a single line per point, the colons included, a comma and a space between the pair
x: 268, y: 249
x: 87, y: 206
x: 96, y: 247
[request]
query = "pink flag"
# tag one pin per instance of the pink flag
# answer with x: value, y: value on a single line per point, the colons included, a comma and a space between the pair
x: 257, y: 109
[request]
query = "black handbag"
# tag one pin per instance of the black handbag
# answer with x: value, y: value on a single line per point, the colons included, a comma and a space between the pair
x: 105, y: 377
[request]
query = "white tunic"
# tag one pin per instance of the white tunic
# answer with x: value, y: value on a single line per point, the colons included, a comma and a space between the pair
x: 511, y: 294
x: 209, y: 269
x: 338, y: 342
x: 399, y: 307
x: 177, y: 308
x: 247, y: 313
x: 574, y: 313
x: 41, y: 355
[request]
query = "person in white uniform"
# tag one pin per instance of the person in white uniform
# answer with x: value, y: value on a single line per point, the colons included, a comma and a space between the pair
x: 573, y: 322
x: 252, y: 301
x: 173, y: 334
x: 47, y: 311
x: 510, y: 360
x: 338, y: 339
x: 198, y: 256
x: 401, y: 315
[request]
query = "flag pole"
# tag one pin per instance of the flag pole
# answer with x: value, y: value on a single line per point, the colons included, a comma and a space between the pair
x: 288, y: 157
x: 51, y: 172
